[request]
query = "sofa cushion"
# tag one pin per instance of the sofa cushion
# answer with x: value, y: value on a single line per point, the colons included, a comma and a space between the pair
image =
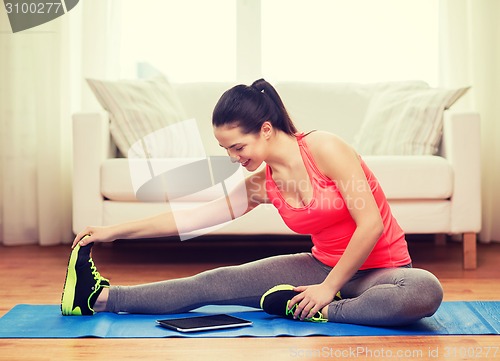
x: 141, y: 109
x: 401, y: 177
x: 336, y: 107
x: 413, y: 177
x: 121, y: 179
x: 199, y: 100
x: 405, y: 122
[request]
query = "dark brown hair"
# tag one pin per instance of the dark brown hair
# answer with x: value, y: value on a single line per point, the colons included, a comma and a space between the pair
x: 250, y: 106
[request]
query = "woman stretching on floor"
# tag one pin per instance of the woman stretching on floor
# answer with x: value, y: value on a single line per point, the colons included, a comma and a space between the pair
x: 359, y: 270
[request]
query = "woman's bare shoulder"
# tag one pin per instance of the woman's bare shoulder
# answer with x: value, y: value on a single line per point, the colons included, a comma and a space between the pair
x: 326, y: 147
x: 321, y: 141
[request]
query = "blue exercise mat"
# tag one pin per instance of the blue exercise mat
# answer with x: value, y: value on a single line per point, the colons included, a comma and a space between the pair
x: 46, y: 321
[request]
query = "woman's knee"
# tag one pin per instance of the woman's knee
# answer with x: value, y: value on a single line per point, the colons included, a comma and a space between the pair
x: 427, y: 291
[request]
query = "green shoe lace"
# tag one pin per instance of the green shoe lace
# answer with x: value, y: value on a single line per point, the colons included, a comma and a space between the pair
x: 97, y: 276
x: 318, y: 317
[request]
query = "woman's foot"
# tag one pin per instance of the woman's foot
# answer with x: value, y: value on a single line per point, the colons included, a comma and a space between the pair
x: 83, y: 283
x: 276, y: 302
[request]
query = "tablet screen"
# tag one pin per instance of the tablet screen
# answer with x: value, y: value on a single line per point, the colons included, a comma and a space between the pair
x: 203, y: 323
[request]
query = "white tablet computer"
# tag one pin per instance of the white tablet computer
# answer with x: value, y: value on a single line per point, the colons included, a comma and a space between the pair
x: 203, y: 323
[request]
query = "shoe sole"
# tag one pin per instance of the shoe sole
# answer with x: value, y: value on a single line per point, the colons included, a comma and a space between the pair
x: 275, y: 289
x: 68, y: 296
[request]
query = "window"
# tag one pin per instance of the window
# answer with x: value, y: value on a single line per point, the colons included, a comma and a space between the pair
x: 188, y: 40
x: 281, y: 40
x: 355, y: 40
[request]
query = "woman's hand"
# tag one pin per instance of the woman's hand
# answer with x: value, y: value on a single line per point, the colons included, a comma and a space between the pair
x: 94, y: 234
x: 311, y: 299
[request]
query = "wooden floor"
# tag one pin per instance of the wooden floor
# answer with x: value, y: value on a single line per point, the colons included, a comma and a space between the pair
x: 35, y: 275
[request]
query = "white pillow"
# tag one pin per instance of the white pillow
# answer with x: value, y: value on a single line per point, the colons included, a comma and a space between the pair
x: 405, y: 122
x: 141, y: 109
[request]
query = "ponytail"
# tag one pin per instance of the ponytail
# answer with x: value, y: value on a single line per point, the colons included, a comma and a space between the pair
x: 250, y: 106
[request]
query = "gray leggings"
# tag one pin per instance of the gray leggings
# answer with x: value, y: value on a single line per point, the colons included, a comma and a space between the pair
x: 383, y: 297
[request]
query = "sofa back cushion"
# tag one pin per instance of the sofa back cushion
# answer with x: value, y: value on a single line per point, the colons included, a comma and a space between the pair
x: 405, y: 122
x: 198, y: 101
x: 146, y: 118
x: 339, y: 108
x: 143, y: 109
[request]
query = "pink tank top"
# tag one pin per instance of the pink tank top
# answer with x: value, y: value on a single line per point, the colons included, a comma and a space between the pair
x: 327, y: 219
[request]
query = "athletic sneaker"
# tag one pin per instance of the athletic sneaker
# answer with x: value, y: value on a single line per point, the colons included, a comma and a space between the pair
x: 276, y: 301
x: 83, y: 283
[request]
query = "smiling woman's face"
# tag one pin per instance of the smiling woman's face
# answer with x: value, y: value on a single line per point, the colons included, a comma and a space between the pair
x: 247, y: 149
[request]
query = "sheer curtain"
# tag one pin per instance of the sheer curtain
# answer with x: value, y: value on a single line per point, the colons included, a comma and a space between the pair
x: 34, y: 134
x: 41, y: 85
x: 470, y: 38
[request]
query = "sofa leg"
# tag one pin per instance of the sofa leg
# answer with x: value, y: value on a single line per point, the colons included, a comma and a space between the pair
x: 469, y: 250
x: 440, y: 239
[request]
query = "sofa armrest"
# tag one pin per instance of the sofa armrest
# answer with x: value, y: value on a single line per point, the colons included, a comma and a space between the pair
x: 462, y: 147
x: 91, y: 144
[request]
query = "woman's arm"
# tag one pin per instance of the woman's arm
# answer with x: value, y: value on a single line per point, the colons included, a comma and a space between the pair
x: 339, y: 162
x: 245, y: 197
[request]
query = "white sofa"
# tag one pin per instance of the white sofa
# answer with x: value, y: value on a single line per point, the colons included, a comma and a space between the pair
x: 428, y: 194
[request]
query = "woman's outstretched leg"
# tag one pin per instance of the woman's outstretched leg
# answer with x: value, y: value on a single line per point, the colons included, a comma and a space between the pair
x: 387, y: 297
x: 235, y: 285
